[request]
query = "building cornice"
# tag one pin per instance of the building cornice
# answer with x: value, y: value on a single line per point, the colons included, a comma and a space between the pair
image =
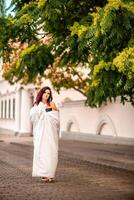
x: 73, y: 103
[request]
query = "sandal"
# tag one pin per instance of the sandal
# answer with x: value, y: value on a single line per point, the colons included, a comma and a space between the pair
x: 51, y: 180
x: 44, y: 179
x: 48, y: 180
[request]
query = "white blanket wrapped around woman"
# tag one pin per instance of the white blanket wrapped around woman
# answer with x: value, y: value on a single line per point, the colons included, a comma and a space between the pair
x: 45, y: 138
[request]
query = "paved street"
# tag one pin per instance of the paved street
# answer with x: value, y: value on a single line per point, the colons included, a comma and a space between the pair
x: 76, y: 179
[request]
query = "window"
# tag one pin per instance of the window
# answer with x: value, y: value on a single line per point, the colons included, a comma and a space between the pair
x: 32, y: 99
x: 9, y: 109
x: 1, y: 109
x: 13, y: 108
x: 5, y: 109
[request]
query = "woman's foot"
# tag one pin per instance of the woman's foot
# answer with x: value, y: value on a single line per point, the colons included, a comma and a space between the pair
x: 44, y: 179
x: 51, y: 180
x: 48, y: 180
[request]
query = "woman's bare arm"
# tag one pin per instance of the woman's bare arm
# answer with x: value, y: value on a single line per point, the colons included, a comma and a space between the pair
x: 53, y: 106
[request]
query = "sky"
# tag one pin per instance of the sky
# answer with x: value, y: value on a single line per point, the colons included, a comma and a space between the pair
x: 8, y: 3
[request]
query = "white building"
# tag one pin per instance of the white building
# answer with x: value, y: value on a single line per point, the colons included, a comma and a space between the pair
x: 112, y: 122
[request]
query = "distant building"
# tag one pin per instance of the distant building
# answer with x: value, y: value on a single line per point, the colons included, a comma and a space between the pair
x: 77, y: 120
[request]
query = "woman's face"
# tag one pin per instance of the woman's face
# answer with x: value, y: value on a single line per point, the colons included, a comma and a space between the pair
x: 45, y: 96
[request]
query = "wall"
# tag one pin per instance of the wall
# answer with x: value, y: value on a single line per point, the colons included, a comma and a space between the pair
x: 113, y: 119
x: 15, y: 105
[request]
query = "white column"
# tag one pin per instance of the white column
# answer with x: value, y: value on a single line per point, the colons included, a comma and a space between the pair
x: 25, y: 125
x: 17, y: 111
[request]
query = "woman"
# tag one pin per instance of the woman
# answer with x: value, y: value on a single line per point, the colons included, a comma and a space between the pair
x: 45, y: 118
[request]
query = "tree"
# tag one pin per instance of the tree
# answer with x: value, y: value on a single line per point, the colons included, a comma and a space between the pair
x: 2, y: 7
x: 63, y: 39
x: 113, y: 53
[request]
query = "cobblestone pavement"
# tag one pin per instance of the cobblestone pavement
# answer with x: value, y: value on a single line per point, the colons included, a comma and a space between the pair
x: 75, y: 179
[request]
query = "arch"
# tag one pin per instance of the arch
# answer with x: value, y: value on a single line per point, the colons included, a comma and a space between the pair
x: 105, y: 119
x: 70, y: 122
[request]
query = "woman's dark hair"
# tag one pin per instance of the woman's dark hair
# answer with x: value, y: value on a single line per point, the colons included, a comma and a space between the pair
x: 40, y: 94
